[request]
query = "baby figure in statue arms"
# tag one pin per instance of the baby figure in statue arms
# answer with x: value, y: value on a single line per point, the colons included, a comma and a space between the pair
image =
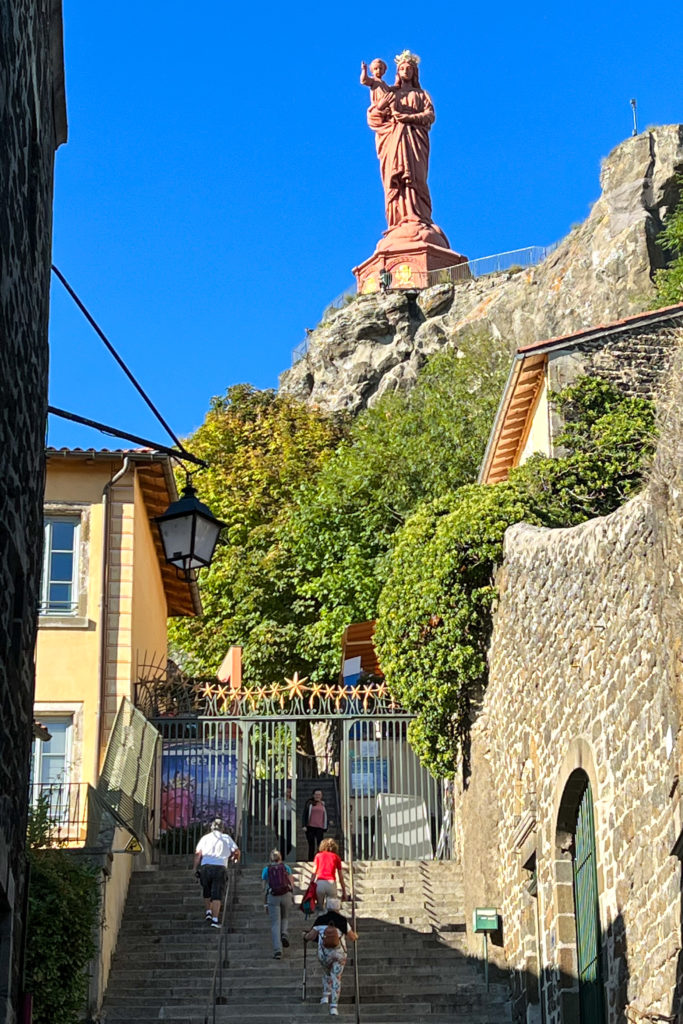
x: 374, y: 80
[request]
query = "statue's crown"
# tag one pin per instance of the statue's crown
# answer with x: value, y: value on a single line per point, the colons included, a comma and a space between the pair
x: 411, y: 58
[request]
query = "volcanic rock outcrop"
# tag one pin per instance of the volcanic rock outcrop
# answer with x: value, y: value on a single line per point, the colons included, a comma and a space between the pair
x: 600, y: 272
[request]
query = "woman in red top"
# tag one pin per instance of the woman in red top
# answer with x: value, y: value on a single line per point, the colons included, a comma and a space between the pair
x: 326, y: 866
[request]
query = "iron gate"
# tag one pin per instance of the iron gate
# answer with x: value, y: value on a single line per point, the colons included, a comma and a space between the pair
x: 392, y: 806
x: 238, y: 768
x: 231, y: 768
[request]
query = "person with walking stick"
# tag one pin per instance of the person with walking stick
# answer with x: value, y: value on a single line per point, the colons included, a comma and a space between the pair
x: 330, y: 930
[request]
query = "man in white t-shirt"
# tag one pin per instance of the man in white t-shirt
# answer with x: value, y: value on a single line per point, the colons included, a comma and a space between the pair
x: 211, y: 857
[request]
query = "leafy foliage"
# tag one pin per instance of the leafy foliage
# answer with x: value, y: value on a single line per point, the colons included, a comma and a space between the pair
x: 669, y: 282
x: 311, y: 504
x: 435, y: 610
x: 434, y: 620
x: 406, y: 449
x: 40, y: 827
x: 63, y: 908
x: 260, y: 447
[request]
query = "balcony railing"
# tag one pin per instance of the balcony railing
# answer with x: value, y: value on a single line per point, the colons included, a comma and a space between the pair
x: 62, y: 809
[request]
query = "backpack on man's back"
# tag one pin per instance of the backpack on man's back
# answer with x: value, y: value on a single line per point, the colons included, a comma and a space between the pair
x: 278, y: 879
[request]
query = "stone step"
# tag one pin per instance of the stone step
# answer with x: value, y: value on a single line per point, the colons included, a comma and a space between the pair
x: 408, y: 972
x: 288, y: 990
x: 247, y: 956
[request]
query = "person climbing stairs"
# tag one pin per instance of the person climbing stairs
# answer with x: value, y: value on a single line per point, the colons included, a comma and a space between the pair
x: 413, y: 964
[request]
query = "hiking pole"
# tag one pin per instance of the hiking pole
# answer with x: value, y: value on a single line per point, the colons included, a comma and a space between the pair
x: 303, y: 980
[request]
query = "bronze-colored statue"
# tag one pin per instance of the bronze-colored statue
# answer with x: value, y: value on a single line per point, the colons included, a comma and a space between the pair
x: 401, y: 116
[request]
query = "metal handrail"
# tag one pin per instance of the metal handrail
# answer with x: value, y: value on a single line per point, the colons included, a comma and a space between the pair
x: 216, y: 990
x: 348, y: 842
x: 307, y: 765
x: 65, y: 806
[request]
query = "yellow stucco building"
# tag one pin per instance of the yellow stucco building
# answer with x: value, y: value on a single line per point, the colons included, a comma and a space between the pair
x: 106, y: 595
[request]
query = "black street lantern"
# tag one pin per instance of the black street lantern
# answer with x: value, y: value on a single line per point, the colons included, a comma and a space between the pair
x: 189, y: 534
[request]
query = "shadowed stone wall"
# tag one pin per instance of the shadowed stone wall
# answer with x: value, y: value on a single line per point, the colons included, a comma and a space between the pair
x: 633, y: 358
x: 586, y: 673
x: 32, y: 125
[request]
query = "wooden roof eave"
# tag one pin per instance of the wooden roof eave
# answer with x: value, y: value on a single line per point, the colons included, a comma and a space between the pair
x: 357, y: 642
x: 510, y: 425
x: 157, y: 484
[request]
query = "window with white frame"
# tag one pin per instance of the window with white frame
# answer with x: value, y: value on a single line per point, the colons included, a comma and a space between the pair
x: 59, y: 591
x: 51, y: 769
x: 51, y: 765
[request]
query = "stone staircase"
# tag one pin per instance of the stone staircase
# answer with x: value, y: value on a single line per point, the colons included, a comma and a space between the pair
x: 165, y: 952
x: 411, y: 953
x: 262, y: 838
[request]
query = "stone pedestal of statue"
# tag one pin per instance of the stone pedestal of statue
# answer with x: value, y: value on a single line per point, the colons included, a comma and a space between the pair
x: 409, y: 252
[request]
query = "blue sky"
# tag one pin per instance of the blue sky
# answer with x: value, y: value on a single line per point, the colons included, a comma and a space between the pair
x: 220, y: 181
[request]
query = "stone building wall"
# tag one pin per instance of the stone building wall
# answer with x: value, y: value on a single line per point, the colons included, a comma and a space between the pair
x: 634, y: 358
x: 32, y: 124
x: 586, y: 674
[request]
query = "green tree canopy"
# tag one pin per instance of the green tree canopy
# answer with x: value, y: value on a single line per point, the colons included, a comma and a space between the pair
x: 261, y: 447
x: 311, y: 504
x: 435, y: 609
x: 409, y: 447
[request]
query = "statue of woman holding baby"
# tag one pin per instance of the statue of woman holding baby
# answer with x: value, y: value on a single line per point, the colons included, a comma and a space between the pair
x: 401, y: 117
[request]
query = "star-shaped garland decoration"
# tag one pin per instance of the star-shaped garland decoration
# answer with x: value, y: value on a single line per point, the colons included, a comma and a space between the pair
x: 296, y: 686
x: 354, y: 692
x: 278, y: 695
x: 222, y: 695
x: 369, y: 693
x: 204, y: 691
x: 381, y: 690
x: 316, y: 692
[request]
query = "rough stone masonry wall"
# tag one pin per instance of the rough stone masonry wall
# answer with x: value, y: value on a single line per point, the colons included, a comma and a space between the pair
x: 30, y: 44
x: 636, y: 359
x: 586, y: 672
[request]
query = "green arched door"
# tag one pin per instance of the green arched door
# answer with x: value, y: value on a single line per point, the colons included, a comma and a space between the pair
x: 591, y: 997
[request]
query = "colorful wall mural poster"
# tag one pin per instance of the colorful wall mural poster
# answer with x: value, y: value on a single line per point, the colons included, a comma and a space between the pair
x: 198, y: 783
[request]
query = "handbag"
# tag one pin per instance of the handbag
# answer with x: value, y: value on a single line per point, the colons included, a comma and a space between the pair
x: 309, y: 899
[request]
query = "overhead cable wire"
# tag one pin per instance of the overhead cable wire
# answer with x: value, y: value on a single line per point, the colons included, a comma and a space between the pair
x: 96, y: 327
x: 182, y: 456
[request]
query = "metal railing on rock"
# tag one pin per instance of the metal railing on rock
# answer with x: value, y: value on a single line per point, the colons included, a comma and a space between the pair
x: 499, y: 263
x: 510, y: 262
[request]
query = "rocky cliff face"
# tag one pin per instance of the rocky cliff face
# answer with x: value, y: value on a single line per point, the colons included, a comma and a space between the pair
x: 600, y: 272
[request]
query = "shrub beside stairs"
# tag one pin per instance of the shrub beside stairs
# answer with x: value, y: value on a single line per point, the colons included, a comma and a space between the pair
x: 411, y: 953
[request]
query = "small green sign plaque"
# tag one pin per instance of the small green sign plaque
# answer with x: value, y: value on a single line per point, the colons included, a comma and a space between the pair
x: 485, y: 919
